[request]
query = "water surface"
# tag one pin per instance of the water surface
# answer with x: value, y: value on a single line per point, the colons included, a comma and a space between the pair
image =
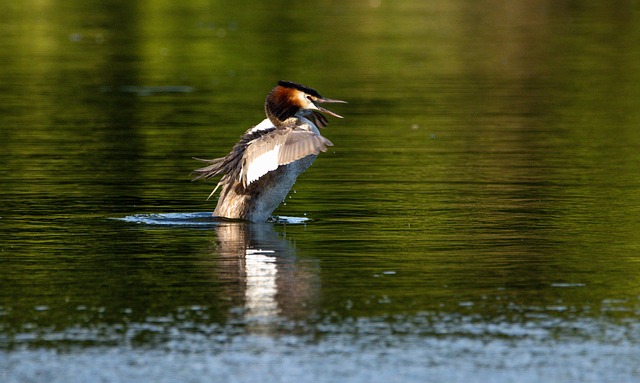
x: 476, y: 220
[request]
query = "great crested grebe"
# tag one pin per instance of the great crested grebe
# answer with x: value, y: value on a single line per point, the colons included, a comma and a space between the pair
x: 263, y: 166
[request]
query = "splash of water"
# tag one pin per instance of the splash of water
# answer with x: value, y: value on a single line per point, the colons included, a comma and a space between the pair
x: 196, y: 219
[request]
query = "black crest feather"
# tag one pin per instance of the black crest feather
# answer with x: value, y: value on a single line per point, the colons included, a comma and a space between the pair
x: 300, y: 87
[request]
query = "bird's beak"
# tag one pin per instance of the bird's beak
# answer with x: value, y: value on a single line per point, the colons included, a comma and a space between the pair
x: 329, y: 100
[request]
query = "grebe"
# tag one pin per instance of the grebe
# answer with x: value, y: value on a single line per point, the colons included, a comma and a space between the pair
x: 263, y: 166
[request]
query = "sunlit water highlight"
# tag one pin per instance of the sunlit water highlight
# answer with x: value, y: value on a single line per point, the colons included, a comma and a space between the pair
x: 366, y: 349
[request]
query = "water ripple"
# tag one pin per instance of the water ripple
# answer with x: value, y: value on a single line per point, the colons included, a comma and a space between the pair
x: 196, y: 219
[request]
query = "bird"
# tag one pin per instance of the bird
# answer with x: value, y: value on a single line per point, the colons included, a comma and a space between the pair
x: 263, y: 165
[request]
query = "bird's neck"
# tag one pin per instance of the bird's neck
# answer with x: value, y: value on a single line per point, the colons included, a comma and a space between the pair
x: 278, y: 113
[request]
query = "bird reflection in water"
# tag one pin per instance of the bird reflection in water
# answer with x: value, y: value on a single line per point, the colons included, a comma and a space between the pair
x: 263, y: 275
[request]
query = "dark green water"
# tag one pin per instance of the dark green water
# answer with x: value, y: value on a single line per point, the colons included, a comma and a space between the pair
x: 477, y: 220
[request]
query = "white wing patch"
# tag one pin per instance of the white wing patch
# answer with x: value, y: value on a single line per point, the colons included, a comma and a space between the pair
x: 264, y: 125
x: 262, y: 164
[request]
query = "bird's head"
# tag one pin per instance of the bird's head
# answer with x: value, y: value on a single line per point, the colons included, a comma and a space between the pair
x: 287, y: 98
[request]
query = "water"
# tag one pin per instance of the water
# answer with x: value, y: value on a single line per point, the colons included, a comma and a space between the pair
x: 476, y: 220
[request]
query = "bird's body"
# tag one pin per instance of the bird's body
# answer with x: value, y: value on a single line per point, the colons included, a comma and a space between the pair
x: 263, y: 166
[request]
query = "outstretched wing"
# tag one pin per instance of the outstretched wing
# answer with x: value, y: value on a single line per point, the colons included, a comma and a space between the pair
x: 262, y: 149
x: 230, y: 166
x: 279, y: 147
